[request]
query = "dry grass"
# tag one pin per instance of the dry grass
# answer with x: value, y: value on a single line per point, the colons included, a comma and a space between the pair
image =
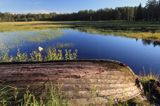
x: 147, y: 31
x: 126, y: 33
x: 17, y: 26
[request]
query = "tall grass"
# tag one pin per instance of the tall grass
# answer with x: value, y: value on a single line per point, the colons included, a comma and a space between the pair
x: 39, y: 56
x: 146, y: 77
x: 139, y: 34
x: 22, y: 26
x: 10, y: 96
x: 150, y: 86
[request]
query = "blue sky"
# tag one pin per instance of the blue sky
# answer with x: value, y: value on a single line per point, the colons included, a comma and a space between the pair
x: 62, y: 6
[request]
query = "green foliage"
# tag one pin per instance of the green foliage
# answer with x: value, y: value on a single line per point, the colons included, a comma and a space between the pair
x: 7, y: 94
x: 7, y: 17
x: 70, y: 56
x: 53, y: 54
x: 151, y: 88
x: 5, y: 58
x: 11, y: 96
x: 150, y: 13
x: 35, y: 56
x: 20, y: 57
x: 146, y: 31
x: 30, y: 26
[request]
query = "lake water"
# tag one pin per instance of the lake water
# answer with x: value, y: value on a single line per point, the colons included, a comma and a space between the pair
x: 140, y: 55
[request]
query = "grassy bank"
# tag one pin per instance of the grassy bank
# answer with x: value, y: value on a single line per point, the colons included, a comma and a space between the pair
x: 126, y: 33
x: 12, y: 96
x: 22, y: 26
x: 142, y: 30
x: 151, y: 87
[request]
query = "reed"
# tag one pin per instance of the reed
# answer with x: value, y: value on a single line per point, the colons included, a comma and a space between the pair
x: 39, y: 56
x: 12, y: 96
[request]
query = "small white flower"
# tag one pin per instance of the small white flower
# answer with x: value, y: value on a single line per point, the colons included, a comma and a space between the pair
x: 40, y: 48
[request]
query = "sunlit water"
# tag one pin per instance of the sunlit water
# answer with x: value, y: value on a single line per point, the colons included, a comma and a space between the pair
x: 140, y: 55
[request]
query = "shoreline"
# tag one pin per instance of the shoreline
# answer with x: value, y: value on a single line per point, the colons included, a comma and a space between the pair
x: 131, y: 30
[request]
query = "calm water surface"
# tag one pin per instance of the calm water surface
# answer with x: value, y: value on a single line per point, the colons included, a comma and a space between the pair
x: 140, y: 55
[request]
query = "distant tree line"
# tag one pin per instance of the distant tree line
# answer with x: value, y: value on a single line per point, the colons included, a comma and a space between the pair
x: 151, y: 12
x: 8, y: 17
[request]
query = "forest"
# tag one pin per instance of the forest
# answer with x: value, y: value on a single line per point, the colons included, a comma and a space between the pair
x: 149, y: 12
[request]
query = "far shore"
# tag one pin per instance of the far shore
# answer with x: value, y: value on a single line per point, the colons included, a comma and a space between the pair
x: 139, y: 30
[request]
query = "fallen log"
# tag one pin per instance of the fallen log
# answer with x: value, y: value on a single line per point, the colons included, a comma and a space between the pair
x: 109, y: 79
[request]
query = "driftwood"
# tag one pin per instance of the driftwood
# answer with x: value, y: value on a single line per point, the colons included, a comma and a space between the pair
x: 78, y: 79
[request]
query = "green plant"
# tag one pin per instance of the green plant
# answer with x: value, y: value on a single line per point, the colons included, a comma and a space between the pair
x: 70, y: 56
x: 6, y: 58
x: 11, y: 96
x: 150, y: 87
x: 21, y: 57
x: 53, y: 54
x: 38, y: 56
